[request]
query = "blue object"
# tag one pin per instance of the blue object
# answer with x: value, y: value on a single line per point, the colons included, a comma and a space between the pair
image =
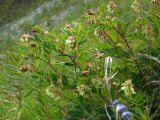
x: 126, y: 115
x: 121, y: 108
x: 115, y: 103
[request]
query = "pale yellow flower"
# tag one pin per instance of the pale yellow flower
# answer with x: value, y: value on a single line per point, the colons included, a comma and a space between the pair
x: 127, y: 87
x: 136, y: 6
x: 111, y: 6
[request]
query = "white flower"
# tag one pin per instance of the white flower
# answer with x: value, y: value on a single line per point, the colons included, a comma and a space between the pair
x: 70, y: 40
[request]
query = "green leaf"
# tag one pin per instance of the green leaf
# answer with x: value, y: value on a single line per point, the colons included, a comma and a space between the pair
x: 66, y: 32
x: 69, y: 64
x: 37, y: 38
x: 54, y: 78
x: 64, y: 80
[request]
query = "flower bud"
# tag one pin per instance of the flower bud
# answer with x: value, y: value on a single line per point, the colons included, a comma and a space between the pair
x: 115, y: 103
x: 84, y: 73
x: 91, y: 12
x: 27, y: 68
x: 88, y: 65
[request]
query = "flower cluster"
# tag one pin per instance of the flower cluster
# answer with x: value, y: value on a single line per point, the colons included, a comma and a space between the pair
x: 91, y: 12
x: 97, y: 54
x: 27, y: 68
x: 111, y: 6
x: 71, y: 42
x: 122, y: 110
x: 26, y: 38
x: 68, y: 27
x: 127, y: 87
x: 136, y: 6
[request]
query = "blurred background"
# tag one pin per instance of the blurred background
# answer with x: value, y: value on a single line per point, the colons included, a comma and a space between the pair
x: 18, y: 16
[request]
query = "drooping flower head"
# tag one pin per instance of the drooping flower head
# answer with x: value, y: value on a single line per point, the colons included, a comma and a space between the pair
x: 120, y: 108
x: 126, y: 115
x: 115, y: 103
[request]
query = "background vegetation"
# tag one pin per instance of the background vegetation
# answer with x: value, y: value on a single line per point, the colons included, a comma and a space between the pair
x: 71, y: 61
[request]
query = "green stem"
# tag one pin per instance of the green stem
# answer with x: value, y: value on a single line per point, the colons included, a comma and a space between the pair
x: 127, y: 44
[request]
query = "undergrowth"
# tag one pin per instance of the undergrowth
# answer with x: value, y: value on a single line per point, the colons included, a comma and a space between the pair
x: 75, y: 72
